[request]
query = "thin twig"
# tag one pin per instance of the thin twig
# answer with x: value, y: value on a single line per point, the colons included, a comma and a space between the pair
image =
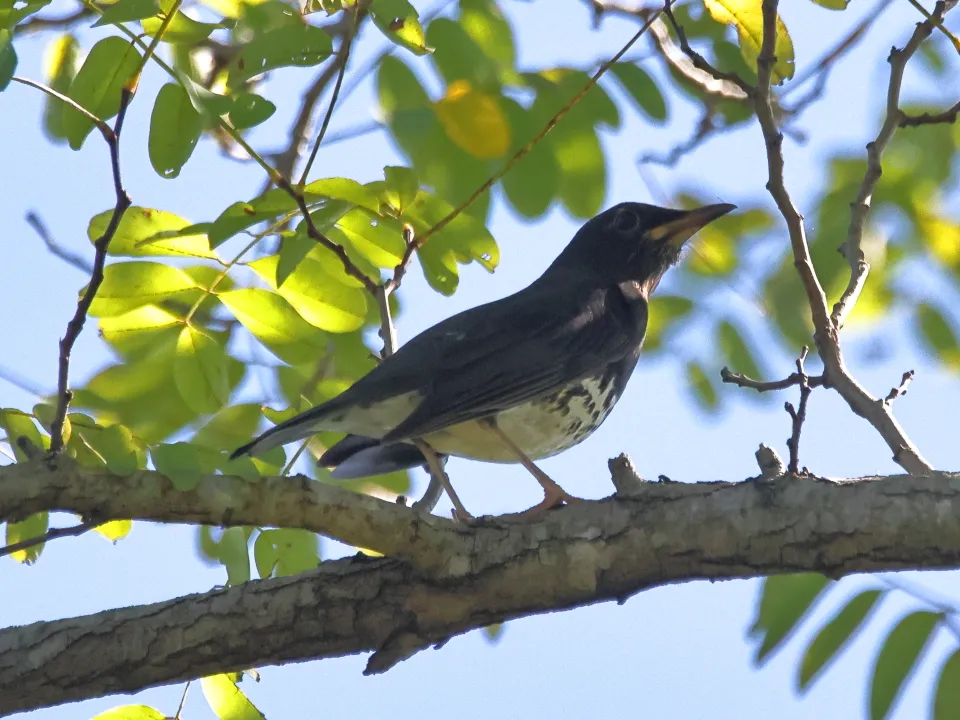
x: 761, y: 386
x: 101, y: 125
x: 412, y: 245
x: 183, y: 700
x: 798, y: 415
x: 72, y: 531
x: 75, y: 326
x: 947, y: 116
x: 826, y: 336
x: 852, y: 248
x: 698, y: 60
x: 344, y: 53
x: 901, y: 389
x: 34, y: 221
x: 517, y: 156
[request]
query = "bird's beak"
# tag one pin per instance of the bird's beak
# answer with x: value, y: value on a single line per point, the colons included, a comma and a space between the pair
x: 681, y: 229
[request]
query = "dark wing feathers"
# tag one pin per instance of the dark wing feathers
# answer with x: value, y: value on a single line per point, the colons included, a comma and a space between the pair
x: 561, y: 337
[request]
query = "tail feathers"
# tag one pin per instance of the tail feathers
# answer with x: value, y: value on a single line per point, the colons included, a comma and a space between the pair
x: 296, y: 428
x: 358, y: 457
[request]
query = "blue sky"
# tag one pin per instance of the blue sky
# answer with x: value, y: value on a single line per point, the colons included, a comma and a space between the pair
x: 677, y: 651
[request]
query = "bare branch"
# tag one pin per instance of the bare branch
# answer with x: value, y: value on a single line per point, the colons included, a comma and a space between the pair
x: 826, y: 334
x: 38, y: 23
x: 517, y: 156
x: 762, y: 386
x: 34, y: 221
x: 701, y: 62
x: 798, y: 415
x: 852, y: 249
x: 443, y: 578
x: 71, y: 531
x: 75, y: 326
x: 900, y: 389
x: 947, y: 116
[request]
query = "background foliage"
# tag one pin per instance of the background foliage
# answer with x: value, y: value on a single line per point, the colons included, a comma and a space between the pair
x: 196, y: 311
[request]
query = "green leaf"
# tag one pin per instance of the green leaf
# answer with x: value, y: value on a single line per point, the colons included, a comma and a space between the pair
x: 664, y: 311
x: 200, y: 371
x: 13, y: 11
x: 230, y: 427
x: 34, y: 526
x: 234, y: 555
x: 140, y: 330
x: 98, y: 85
x: 272, y: 320
x: 377, y: 239
x: 457, y: 57
x: 938, y: 334
x: 60, y: 67
x: 180, y: 463
x: 583, y: 172
x: 835, y: 635
x: 298, y: 45
x: 703, y: 389
x: 285, y: 552
x: 747, y: 17
x: 402, y: 187
x: 736, y: 351
x: 946, y: 702
x: 833, y: 4
x: 182, y: 30
x: 175, y: 129
x: 127, y: 11
x: 484, y: 22
x: 149, y: 232
x: 533, y: 183
x: 249, y: 110
x: 896, y: 659
x: 129, y: 285
x: 116, y: 445
x: 131, y: 712
x: 320, y: 298
x: 642, y: 88
x: 227, y: 700
x: 18, y: 424
x: 784, y: 602
x: 350, y: 191
x: 8, y: 58
x: 494, y: 632
x: 399, y: 21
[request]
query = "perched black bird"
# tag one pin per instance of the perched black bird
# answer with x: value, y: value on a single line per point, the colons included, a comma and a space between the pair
x: 518, y: 379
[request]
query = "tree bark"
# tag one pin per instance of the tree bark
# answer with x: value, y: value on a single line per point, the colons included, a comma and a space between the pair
x: 442, y: 578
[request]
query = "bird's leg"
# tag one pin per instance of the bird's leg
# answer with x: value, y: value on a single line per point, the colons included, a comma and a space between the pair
x: 437, y: 471
x: 553, y: 494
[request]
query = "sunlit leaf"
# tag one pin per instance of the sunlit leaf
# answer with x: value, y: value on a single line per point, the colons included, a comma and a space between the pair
x: 474, y: 121
x: 399, y: 21
x: 747, y: 17
x: 97, y: 86
x: 484, y: 22
x: 233, y: 554
x: 33, y: 527
x: 379, y: 240
x: 13, y: 11
x: 784, y: 602
x: 897, y: 658
x: 17, y: 424
x: 227, y: 700
x: 299, y: 44
x: 175, y: 129
x: 286, y: 551
x: 118, y: 448
x: 114, y: 530
x: 458, y: 58
x: 60, y: 62
x: 249, y: 110
x: 642, y: 89
x: 401, y: 187
x: 833, y: 637
x: 272, y: 320
x: 145, y: 232
x: 182, y: 30
x: 230, y: 427
x: 179, y: 462
x: 833, y: 4
x: 127, y: 11
x: 319, y: 297
x: 131, y: 712
x: 664, y: 311
x: 128, y: 285
x: 200, y: 371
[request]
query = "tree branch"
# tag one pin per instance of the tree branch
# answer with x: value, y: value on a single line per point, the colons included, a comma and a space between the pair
x: 947, y: 116
x: 852, y: 249
x: 444, y: 578
x: 826, y: 335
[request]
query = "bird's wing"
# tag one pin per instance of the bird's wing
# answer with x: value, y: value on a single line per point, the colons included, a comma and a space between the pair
x: 514, y: 352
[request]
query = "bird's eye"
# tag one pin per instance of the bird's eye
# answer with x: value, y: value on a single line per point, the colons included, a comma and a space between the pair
x: 625, y: 221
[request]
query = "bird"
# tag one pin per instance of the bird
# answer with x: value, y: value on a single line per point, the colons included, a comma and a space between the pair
x: 518, y: 379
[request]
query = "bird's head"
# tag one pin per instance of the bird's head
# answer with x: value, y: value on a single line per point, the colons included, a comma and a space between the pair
x: 633, y: 242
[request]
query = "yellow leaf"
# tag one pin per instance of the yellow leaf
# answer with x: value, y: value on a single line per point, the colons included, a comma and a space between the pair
x: 713, y: 253
x: 474, y: 121
x: 747, y: 17
x: 115, y: 529
x: 943, y: 239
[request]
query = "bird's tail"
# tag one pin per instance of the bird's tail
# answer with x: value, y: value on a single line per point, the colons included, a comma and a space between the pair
x: 357, y: 456
x: 296, y: 428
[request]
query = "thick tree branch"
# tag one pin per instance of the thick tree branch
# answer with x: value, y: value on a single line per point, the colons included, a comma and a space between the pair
x: 448, y: 578
x: 947, y: 116
x: 826, y: 334
x: 852, y: 249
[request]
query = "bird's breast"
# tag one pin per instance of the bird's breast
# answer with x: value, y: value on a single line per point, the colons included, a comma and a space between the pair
x: 542, y: 427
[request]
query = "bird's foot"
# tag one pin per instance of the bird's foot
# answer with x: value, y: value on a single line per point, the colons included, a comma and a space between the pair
x: 460, y: 514
x: 554, y: 496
